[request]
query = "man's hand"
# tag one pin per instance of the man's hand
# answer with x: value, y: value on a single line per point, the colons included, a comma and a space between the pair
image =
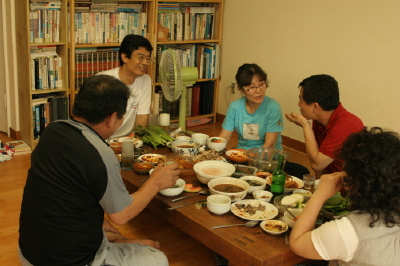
x: 108, y: 227
x: 165, y: 176
x: 298, y: 119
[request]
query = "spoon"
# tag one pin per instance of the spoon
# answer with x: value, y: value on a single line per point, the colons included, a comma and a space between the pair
x: 202, y: 192
x: 247, y: 224
x: 294, y: 217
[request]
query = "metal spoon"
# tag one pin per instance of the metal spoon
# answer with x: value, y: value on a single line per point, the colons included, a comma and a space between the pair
x: 202, y: 192
x: 291, y: 214
x: 247, y: 224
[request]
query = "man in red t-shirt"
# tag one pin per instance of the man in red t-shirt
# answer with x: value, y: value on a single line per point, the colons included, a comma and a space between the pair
x: 331, y: 125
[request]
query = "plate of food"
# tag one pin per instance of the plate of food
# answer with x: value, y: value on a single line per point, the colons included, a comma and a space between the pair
x: 237, y: 155
x: 152, y: 158
x: 136, y: 141
x: 255, y: 210
x: 292, y: 182
x: 208, y: 156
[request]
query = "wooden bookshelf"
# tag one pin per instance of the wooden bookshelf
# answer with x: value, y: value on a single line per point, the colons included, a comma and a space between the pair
x: 26, y: 27
x: 214, y: 39
x: 68, y: 49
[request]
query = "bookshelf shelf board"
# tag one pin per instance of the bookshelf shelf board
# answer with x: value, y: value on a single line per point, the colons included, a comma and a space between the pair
x: 193, y: 1
x: 47, y: 43
x: 110, y: 44
x: 48, y: 91
x: 191, y: 41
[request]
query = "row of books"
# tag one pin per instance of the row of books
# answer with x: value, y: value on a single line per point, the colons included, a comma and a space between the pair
x: 187, y: 26
x: 46, y: 68
x: 199, y: 101
x: 204, y: 56
x: 90, y: 61
x: 108, y: 27
x: 48, y: 108
x: 44, y: 26
x: 112, y: 7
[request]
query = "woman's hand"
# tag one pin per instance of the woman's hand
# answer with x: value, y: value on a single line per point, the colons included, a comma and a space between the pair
x: 329, y: 185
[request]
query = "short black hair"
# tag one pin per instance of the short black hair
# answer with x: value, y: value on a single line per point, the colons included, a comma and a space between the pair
x: 132, y: 42
x: 246, y: 72
x: 322, y: 89
x: 99, y: 97
x: 372, y: 164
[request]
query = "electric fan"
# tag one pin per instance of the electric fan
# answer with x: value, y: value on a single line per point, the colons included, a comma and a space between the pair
x: 173, y: 79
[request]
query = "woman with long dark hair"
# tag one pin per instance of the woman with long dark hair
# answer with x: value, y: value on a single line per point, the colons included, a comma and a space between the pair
x: 370, y: 234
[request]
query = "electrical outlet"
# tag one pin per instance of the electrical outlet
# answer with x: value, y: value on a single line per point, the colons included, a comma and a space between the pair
x: 233, y: 88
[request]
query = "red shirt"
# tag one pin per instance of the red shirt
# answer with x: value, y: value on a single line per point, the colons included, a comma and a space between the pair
x: 330, y: 139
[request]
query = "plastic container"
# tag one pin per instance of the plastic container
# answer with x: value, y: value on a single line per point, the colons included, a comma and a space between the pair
x: 263, y: 160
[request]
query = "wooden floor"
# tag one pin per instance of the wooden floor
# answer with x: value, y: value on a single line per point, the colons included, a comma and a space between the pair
x: 180, y: 248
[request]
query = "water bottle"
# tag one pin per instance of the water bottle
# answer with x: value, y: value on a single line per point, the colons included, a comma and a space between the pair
x: 278, y: 183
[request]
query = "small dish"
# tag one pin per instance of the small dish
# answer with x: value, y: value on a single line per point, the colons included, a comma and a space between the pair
x: 219, y: 204
x: 142, y: 168
x: 274, y: 227
x: 237, y: 155
x: 152, y: 158
x: 175, y: 190
x: 289, y: 180
x: 255, y: 183
x: 262, y: 195
x: 216, y: 143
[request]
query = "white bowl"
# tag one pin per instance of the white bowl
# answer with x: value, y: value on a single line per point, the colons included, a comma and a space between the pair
x: 219, y: 204
x: 182, y: 138
x: 262, y: 195
x: 200, y: 138
x: 289, y: 219
x: 275, y: 227
x: 218, y: 146
x: 174, y: 191
x: 254, y: 179
x: 207, y: 170
x: 185, y: 147
x: 229, y: 181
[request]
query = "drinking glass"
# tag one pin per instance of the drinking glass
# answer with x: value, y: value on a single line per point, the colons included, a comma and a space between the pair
x: 127, y: 154
x: 308, y: 181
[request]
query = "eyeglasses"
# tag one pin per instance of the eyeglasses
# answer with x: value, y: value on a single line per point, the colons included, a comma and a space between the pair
x: 262, y: 86
x: 141, y: 58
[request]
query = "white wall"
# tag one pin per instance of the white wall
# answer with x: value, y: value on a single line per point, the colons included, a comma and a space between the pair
x: 357, y: 42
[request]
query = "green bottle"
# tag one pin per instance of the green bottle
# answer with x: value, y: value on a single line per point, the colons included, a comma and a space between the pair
x: 278, y: 178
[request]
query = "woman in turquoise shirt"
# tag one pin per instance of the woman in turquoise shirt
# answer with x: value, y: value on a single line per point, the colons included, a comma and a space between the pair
x: 256, y: 118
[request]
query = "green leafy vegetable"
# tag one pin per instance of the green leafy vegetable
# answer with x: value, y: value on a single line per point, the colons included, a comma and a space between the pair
x: 153, y: 135
x: 337, y: 205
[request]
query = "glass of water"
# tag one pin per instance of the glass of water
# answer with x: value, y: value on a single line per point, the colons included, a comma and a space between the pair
x: 308, y: 181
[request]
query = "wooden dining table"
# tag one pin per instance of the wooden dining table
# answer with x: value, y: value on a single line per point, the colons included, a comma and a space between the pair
x: 239, y: 245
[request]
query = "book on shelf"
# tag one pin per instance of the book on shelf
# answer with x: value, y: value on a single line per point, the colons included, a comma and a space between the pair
x: 46, y: 67
x: 91, y: 61
x: 44, y: 25
x: 195, y: 99
x: 198, y: 9
x: 206, y: 97
x: 47, y: 108
x: 105, y: 26
x: 19, y: 146
x: 187, y: 25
